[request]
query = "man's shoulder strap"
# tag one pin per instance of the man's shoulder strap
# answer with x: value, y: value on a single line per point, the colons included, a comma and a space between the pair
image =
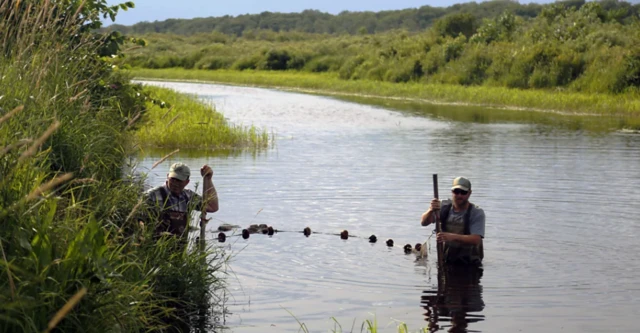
x: 444, y: 215
x: 163, y: 193
x: 467, y: 219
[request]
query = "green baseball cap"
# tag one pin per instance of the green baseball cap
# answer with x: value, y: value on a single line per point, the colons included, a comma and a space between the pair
x: 179, y: 171
x: 461, y: 183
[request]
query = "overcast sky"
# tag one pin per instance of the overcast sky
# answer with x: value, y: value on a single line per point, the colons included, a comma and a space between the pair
x: 152, y: 10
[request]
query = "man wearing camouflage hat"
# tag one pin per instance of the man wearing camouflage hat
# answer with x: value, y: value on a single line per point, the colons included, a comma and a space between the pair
x: 462, y: 225
x: 174, y: 204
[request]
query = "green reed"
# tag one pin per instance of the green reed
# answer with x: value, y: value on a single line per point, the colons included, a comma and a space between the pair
x: 368, y: 325
x: 186, y: 122
x: 622, y: 105
x: 74, y: 255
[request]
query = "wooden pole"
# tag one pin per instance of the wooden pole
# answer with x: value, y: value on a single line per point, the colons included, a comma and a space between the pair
x: 436, y: 216
x: 440, y: 247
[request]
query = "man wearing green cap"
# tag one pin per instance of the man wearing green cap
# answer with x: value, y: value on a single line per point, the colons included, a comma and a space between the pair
x: 174, y: 204
x: 462, y: 225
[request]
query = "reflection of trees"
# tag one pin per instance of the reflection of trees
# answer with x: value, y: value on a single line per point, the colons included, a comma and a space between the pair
x: 459, y: 293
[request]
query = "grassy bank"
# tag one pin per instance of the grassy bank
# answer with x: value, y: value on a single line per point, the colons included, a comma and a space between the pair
x: 185, y: 122
x: 73, y: 256
x: 623, y: 105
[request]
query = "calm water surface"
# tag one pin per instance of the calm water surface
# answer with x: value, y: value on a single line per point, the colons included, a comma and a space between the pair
x: 561, y: 236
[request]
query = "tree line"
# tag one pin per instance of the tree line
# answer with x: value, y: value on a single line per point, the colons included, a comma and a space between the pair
x: 578, y: 46
x: 314, y: 21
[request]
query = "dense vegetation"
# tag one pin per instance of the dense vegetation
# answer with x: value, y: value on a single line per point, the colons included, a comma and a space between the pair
x: 576, y: 46
x: 73, y: 255
x: 313, y: 21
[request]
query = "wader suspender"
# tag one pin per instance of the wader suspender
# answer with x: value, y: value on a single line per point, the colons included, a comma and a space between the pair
x: 444, y: 215
x: 165, y: 216
x: 164, y: 196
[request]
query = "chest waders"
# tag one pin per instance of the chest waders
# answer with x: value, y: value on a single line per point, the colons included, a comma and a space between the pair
x: 455, y: 252
x: 171, y: 221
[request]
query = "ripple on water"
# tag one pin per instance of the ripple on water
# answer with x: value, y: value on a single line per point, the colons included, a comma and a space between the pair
x: 561, y: 213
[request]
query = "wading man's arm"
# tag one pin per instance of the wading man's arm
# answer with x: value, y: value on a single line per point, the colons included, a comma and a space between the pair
x: 466, y: 239
x: 211, y: 196
x: 427, y: 217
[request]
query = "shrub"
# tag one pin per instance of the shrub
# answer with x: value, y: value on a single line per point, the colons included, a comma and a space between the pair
x: 453, y: 48
x: 612, y: 70
x: 471, y: 67
x: 455, y: 24
x: 349, y: 67
x: 322, y: 64
x: 247, y: 62
x: 275, y: 60
x: 214, y: 62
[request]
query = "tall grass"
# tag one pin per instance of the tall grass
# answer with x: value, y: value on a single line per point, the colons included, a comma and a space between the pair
x: 627, y: 105
x: 71, y: 259
x: 186, y: 122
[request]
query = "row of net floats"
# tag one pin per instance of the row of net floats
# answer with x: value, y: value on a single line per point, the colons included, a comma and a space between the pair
x: 270, y: 231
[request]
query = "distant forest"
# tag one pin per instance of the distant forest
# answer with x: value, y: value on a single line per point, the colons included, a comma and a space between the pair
x: 313, y: 21
x: 591, y: 47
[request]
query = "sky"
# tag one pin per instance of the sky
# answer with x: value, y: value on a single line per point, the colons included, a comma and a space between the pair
x: 152, y: 10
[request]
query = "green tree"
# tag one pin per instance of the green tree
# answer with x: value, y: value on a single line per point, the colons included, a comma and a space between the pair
x: 456, y: 24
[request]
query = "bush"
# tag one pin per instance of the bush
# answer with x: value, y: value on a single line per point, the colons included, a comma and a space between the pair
x: 275, y: 60
x: 538, y: 56
x: 214, y: 62
x: 471, y: 67
x: 434, y: 60
x: 322, y: 64
x: 453, y: 48
x: 248, y: 62
x: 612, y: 70
x: 348, y: 69
x: 455, y: 24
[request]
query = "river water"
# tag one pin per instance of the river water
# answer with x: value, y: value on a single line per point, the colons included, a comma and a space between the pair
x: 561, y: 206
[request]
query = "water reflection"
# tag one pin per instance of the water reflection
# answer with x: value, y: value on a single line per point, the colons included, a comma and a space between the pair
x: 457, y: 300
x: 198, y: 324
x: 486, y: 115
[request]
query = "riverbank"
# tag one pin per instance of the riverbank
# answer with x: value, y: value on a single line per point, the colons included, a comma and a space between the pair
x: 182, y: 121
x: 74, y: 254
x: 570, y: 103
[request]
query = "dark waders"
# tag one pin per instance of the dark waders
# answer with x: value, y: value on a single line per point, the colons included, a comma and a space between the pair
x: 458, y: 291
